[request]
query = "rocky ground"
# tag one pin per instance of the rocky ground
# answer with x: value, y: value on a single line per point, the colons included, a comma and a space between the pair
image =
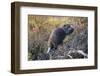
x: 76, y: 48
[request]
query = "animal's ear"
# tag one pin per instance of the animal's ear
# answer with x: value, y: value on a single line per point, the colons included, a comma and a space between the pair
x: 66, y: 25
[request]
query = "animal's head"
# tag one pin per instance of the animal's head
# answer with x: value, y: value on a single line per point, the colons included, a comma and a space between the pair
x: 68, y: 28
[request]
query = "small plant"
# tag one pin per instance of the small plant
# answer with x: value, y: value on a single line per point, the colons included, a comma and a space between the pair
x: 37, y: 48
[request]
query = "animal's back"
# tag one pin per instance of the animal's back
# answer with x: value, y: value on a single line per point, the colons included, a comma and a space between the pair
x: 56, y: 37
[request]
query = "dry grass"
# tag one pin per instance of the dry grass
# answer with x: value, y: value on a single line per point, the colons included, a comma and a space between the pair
x: 40, y: 27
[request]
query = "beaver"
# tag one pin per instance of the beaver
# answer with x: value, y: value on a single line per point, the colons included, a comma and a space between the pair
x: 58, y: 35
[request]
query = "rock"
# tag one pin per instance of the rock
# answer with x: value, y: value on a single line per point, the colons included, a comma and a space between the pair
x: 80, y: 42
x: 77, y: 54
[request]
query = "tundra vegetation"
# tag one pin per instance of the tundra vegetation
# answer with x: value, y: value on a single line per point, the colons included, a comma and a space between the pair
x: 74, y: 46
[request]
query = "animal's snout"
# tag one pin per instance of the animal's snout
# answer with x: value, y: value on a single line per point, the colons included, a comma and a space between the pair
x: 72, y: 26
